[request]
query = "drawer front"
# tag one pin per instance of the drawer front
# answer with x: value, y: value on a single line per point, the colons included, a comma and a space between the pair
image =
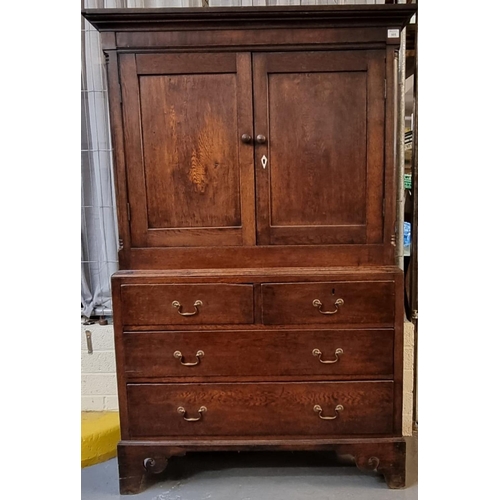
x: 199, y: 304
x: 330, y: 353
x: 341, y: 302
x: 264, y: 409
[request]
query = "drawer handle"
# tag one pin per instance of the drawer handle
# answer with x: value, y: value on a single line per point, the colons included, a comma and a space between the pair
x: 182, y: 411
x: 338, y: 409
x: 178, y: 306
x: 199, y: 355
x: 317, y: 352
x: 317, y: 303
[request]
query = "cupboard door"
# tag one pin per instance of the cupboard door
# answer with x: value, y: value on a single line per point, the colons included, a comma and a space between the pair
x: 190, y: 176
x: 321, y: 115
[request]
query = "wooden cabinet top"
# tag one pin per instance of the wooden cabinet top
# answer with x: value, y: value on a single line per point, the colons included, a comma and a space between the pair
x: 395, y: 16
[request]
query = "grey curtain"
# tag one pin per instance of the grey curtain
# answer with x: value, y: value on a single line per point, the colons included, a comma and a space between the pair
x: 99, y: 241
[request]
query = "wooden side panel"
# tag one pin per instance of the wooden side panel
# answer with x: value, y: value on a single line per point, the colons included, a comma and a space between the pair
x: 120, y: 357
x: 390, y: 156
x: 399, y: 352
x: 132, y: 131
x: 119, y: 164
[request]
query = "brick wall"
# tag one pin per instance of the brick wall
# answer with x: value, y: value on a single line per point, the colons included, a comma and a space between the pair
x: 99, y: 390
x: 409, y: 330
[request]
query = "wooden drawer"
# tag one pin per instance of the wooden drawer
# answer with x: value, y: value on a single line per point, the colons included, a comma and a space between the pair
x: 198, y: 304
x: 363, y: 353
x: 263, y: 409
x: 339, y: 302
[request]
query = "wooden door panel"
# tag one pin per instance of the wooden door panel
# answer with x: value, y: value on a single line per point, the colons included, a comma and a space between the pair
x: 191, y: 146
x: 326, y: 137
x: 191, y: 176
x: 323, y: 115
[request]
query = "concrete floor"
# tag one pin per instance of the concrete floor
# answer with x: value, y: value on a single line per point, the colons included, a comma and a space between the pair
x: 255, y: 476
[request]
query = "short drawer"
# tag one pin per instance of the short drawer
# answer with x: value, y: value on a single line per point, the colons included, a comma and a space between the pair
x: 265, y: 409
x: 341, y: 302
x: 268, y: 353
x: 199, y: 304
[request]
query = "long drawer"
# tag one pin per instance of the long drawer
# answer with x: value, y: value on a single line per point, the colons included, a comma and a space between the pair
x: 198, y: 304
x: 260, y: 409
x: 331, y: 353
x: 332, y: 303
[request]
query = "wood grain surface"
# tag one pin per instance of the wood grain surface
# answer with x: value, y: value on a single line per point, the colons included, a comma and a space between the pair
x: 258, y: 354
x: 221, y: 304
x: 364, y: 302
x: 260, y: 409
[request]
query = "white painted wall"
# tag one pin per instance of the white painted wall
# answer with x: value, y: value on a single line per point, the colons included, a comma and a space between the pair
x: 99, y: 391
x: 409, y: 331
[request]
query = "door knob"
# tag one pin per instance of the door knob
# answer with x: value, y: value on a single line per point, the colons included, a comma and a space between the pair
x: 246, y: 138
x: 261, y: 139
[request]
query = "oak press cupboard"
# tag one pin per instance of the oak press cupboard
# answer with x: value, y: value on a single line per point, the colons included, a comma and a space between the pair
x: 257, y: 305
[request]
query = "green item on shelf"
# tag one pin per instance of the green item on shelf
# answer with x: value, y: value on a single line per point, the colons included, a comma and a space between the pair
x: 407, y: 181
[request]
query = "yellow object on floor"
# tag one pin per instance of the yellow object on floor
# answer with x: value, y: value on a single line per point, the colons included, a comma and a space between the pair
x: 100, y: 435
